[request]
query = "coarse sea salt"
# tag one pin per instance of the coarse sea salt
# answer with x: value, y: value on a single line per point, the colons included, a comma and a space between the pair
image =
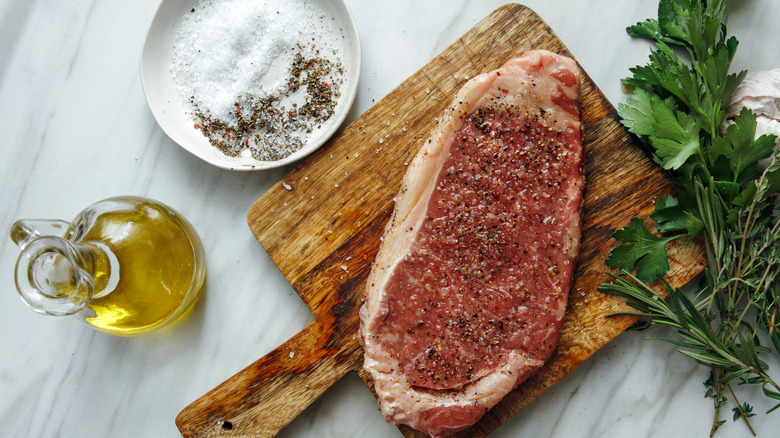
x: 228, y: 52
x: 224, y: 48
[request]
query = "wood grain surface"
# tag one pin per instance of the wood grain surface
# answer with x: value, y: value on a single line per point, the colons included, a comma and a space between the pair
x: 322, y: 223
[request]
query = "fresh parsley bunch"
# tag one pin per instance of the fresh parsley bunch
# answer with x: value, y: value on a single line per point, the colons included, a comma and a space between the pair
x: 723, y: 196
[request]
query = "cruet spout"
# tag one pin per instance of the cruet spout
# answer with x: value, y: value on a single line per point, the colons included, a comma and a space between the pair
x: 26, y: 230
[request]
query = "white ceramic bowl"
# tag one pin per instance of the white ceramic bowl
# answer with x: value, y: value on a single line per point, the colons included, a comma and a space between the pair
x: 172, y: 112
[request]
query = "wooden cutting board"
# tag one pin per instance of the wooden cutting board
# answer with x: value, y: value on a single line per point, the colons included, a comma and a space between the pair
x: 322, y: 223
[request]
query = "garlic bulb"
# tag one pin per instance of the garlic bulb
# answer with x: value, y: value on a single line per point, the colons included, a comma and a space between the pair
x: 760, y: 93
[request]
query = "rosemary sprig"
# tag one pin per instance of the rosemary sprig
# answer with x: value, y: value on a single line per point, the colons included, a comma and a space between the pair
x: 723, y: 197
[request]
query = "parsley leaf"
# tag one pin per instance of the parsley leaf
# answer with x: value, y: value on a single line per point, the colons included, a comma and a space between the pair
x: 670, y: 216
x: 642, y: 250
x: 676, y: 138
x: 638, y: 115
x: 739, y: 148
x: 674, y: 134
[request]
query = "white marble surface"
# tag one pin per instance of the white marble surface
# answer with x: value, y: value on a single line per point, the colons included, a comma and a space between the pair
x: 76, y: 128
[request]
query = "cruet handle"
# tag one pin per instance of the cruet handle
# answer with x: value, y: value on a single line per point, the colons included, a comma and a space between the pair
x: 26, y: 230
x: 51, y: 275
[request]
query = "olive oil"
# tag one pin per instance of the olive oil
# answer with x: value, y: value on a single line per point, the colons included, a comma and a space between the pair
x: 143, y: 262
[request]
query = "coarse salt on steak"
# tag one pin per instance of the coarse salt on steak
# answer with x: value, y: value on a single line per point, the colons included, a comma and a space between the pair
x: 467, y: 294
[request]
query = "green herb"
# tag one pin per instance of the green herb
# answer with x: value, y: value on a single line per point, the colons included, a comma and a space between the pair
x: 723, y: 198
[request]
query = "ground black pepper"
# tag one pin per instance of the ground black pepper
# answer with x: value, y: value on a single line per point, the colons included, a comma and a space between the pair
x: 265, y: 126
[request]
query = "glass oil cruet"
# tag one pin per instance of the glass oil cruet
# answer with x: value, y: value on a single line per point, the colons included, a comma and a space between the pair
x: 125, y: 265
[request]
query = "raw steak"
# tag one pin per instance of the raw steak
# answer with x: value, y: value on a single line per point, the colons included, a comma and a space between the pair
x: 467, y: 295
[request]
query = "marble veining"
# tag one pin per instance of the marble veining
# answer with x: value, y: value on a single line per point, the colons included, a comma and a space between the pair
x: 76, y: 129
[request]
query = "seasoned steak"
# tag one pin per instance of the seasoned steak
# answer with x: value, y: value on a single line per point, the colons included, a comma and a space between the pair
x: 467, y: 294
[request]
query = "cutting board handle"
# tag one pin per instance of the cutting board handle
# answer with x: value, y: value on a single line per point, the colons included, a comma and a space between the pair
x: 266, y: 396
